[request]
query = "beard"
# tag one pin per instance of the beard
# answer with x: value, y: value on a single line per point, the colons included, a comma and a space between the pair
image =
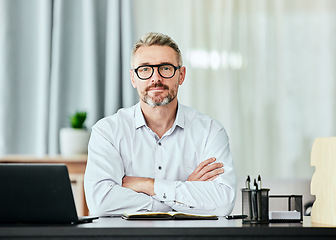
x: 158, y: 101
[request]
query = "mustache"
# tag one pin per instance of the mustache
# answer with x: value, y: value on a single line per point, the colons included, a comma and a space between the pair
x: 155, y: 85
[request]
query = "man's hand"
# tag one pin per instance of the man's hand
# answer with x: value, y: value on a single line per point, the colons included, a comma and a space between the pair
x: 206, y: 171
x: 139, y: 184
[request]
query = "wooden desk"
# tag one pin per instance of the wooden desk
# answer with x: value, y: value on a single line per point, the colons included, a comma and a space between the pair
x: 76, y: 167
x: 117, y: 228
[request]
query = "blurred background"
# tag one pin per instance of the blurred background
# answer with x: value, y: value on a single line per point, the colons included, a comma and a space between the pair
x: 264, y: 68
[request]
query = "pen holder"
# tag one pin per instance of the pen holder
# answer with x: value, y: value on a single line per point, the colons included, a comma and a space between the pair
x: 255, y: 205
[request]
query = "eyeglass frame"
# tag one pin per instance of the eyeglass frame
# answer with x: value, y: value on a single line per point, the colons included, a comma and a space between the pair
x: 156, y: 65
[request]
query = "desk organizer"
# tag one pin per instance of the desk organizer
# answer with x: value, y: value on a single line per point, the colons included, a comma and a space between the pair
x: 255, y: 205
x: 294, y: 204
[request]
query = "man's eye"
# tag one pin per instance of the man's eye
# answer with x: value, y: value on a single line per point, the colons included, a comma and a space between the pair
x: 166, y: 68
x: 144, y: 69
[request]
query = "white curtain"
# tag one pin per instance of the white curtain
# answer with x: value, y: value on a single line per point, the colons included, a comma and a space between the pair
x: 58, y: 57
x: 264, y: 68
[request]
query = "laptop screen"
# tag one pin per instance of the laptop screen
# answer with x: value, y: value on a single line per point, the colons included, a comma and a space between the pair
x: 36, y: 193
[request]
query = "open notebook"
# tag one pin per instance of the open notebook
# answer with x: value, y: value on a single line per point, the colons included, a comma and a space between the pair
x: 166, y: 216
x: 37, y: 193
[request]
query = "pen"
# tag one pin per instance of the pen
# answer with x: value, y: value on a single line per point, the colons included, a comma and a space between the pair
x: 259, y: 182
x: 230, y: 217
x: 249, y: 199
x: 247, y: 182
x: 255, y: 184
x: 254, y: 205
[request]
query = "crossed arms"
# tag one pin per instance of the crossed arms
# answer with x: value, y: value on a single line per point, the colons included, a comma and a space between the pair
x: 208, y: 170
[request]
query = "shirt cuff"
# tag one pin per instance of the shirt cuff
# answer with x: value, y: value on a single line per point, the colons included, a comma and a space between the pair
x: 164, y: 190
x: 158, y: 206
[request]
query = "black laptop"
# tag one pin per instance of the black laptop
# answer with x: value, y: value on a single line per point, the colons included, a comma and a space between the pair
x: 37, y: 193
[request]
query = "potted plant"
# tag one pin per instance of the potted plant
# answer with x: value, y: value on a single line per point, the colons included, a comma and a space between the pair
x: 74, y: 140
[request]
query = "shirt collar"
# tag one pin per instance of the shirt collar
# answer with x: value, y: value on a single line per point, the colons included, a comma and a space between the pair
x: 140, y: 119
x: 180, y: 115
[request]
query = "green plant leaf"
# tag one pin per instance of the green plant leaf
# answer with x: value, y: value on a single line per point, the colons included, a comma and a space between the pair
x: 77, y: 120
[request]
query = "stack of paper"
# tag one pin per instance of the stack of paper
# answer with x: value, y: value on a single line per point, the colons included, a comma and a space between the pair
x: 284, y: 215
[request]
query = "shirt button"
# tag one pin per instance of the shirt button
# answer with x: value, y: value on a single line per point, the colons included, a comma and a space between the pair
x: 159, y: 143
x: 160, y: 167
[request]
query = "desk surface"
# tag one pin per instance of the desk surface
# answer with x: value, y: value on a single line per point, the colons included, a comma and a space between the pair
x: 117, y: 228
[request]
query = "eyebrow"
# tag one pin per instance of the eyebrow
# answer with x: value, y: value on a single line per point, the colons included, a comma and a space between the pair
x: 147, y: 63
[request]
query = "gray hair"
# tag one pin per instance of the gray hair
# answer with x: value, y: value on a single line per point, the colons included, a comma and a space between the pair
x: 158, y: 39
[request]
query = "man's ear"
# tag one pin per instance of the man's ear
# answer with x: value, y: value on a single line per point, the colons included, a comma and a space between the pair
x: 132, y: 78
x: 182, y: 75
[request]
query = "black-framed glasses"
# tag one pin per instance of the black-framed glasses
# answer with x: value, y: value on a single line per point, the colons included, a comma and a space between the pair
x: 165, y: 70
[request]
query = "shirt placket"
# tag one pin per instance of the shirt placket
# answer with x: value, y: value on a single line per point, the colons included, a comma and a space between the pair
x: 159, y: 171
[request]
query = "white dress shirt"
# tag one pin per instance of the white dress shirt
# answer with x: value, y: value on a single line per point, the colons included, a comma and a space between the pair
x: 122, y: 144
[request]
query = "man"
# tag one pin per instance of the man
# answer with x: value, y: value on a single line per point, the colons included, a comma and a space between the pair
x: 159, y: 155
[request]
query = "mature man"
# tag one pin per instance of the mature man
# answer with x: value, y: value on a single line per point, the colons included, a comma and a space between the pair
x: 159, y: 155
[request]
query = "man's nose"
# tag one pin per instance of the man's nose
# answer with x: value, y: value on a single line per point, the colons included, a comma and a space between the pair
x: 156, y: 77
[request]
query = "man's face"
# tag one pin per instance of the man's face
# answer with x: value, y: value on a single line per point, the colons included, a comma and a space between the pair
x: 157, y: 90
